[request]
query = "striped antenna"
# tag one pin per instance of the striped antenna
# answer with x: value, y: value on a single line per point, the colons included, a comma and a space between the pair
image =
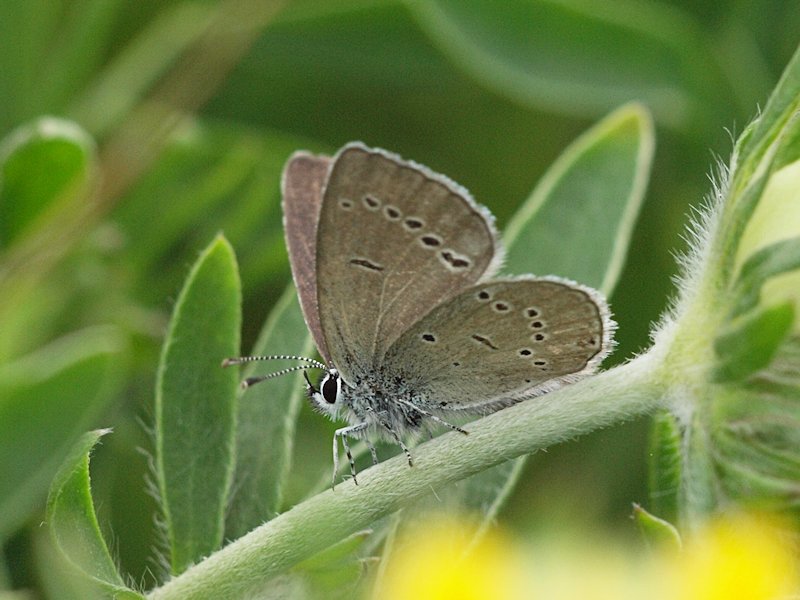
x: 239, y: 360
x: 251, y: 381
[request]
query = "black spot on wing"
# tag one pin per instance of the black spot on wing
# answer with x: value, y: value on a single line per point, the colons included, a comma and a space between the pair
x: 366, y: 264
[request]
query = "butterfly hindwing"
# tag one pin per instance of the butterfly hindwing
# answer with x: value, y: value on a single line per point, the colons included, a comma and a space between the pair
x: 502, y: 341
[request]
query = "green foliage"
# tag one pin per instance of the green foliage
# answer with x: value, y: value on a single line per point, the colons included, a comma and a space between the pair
x: 657, y: 532
x: 41, y: 163
x: 665, y: 463
x: 195, y: 414
x: 601, y: 176
x: 749, y: 344
x: 734, y: 333
x: 267, y: 418
x: 556, y: 54
x: 47, y: 400
x: 73, y: 524
x: 131, y: 134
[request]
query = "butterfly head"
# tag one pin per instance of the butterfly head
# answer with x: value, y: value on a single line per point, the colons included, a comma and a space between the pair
x: 327, y: 398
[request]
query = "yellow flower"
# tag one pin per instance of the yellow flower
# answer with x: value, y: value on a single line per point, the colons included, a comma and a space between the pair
x: 740, y: 558
x: 436, y: 561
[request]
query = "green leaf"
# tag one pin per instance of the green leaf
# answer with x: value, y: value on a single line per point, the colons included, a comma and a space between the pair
x: 664, y: 465
x: 658, y: 533
x: 196, y: 407
x: 132, y: 72
x: 577, y: 57
x: 578, y: 221
x: 782, y: 106
x: 266, y: 420
x: 748, y: 344
x: 777, y: 258
x: 770, y: 143
x: 41, y: 163
x: 73, y: 523
x: 699, y: 493
x: 231, y: 177
x: 756, y: 435
x: 333, y: 572
x: 47, y: 400
x: 84, y: 33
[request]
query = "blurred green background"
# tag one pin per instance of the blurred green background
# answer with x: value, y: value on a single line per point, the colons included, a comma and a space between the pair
x: 178, y: 116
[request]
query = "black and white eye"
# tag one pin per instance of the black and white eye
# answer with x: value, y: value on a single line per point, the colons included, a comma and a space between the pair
x: 330, y: 387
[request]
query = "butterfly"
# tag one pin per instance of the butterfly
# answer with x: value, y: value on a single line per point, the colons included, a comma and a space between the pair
x: 395, y: 270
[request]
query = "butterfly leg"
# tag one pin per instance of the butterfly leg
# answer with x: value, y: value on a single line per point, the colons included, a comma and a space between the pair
x: 400, y: 443
x: 342, y: 434
x: 372, y: 452
x: 431, y: 416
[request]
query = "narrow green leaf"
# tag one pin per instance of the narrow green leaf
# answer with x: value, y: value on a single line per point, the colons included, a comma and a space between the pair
x: 578, y: 221
x: 777, y: 258
x: 267, y: 419
x: 658, y: 533
x: 699, y: 493
x: 229, y: 175
x: 139, y: 65
x: 83, y: 36
x: 47, y: 400
x: 73, y: 523
x: 588, y: 199
x: 770, y: 143
x: 664, y: 465
x: 755, y: 429
x: 747, y: 344
x: 559, y: 55
x: 196, y: 407
x: 39, y: 164
x: 333, y: 572
x: 336, y: 554
x: 781, y: 106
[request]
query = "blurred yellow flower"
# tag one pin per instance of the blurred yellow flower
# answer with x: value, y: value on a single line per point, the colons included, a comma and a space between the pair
x: 436, y: 561
x: 738, y: 558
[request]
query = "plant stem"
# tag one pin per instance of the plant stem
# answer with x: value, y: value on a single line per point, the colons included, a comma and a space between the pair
x: 245, y: 566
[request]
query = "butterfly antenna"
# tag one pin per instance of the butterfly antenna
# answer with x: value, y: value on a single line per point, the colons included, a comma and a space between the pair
x: 251, y: 381
x: 239, y: 360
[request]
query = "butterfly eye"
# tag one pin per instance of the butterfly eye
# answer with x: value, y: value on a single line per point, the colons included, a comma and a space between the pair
x: 330, y: 387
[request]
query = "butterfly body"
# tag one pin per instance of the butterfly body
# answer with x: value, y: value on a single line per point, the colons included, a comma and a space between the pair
x: 383, y: 402
x: 394, y: 268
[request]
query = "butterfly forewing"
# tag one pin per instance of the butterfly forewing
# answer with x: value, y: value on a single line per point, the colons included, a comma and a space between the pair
x: 303, y: 180
x: 500, y: 342
x: 394, y: 241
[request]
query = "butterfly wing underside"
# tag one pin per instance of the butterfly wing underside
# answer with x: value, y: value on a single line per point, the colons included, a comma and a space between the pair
x: 502, y: 341
x: 394, y: 241
x: 302, y: 185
